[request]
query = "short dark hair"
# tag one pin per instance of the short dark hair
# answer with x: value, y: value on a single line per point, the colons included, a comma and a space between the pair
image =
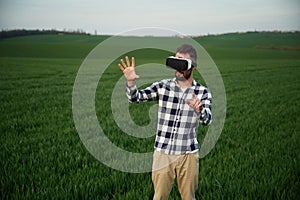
x: 189, y: 49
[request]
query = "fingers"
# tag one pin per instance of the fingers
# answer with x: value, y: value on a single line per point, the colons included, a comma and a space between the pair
x: 121, y: 67
x: 133, y: 61
x: 194, y: 103
x: 188, y: 102
x: 124, y: 65
x: 198, y: 106
x: 193, y: 96
x: 127, y: 61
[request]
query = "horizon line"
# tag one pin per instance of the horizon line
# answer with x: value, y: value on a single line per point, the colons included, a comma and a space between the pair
x: 82, y: 32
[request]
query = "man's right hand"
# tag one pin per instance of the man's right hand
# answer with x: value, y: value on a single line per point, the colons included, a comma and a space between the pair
x: 129, y: 71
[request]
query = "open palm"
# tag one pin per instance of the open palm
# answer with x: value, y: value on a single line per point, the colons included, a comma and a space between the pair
x: 128, y: 69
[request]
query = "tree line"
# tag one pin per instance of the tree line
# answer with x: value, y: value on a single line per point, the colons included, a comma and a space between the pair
x: 24, y: 32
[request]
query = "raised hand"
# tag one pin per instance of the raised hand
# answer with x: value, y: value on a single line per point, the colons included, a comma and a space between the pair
x: 194, y: 103
x: 128, y: 70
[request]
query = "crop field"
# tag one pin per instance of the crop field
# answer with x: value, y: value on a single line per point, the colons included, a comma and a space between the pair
x: 42, y: 157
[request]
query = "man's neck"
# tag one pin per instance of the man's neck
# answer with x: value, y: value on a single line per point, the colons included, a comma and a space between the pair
x: 186, y: 84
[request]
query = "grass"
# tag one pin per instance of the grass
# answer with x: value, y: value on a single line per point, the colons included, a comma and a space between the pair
x: 42, y: 156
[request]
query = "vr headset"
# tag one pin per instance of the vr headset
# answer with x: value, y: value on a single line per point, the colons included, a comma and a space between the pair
x: 179, y: 64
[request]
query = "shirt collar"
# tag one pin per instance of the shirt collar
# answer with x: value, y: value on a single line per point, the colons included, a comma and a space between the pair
x: 194, y: 83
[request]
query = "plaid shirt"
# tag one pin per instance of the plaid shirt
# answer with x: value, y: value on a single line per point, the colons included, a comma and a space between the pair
x: 177, y: 122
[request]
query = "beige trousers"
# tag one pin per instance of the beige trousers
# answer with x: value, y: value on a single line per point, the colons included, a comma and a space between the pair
x: 166, y: 168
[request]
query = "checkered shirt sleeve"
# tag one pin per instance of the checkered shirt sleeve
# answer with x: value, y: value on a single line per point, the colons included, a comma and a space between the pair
x: 177, y: 122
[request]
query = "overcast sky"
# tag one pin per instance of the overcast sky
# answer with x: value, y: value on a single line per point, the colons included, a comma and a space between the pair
x: 190, y: 17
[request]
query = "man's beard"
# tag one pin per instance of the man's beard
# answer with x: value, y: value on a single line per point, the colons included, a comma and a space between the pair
x: 184, y: 77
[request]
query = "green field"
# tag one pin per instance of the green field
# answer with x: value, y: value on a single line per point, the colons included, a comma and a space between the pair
x: 42, y: 157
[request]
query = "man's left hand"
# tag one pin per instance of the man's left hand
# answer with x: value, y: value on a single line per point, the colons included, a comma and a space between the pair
x: 194, y: 103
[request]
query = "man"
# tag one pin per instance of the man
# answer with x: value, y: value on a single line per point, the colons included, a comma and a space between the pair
x: 183, y: 104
